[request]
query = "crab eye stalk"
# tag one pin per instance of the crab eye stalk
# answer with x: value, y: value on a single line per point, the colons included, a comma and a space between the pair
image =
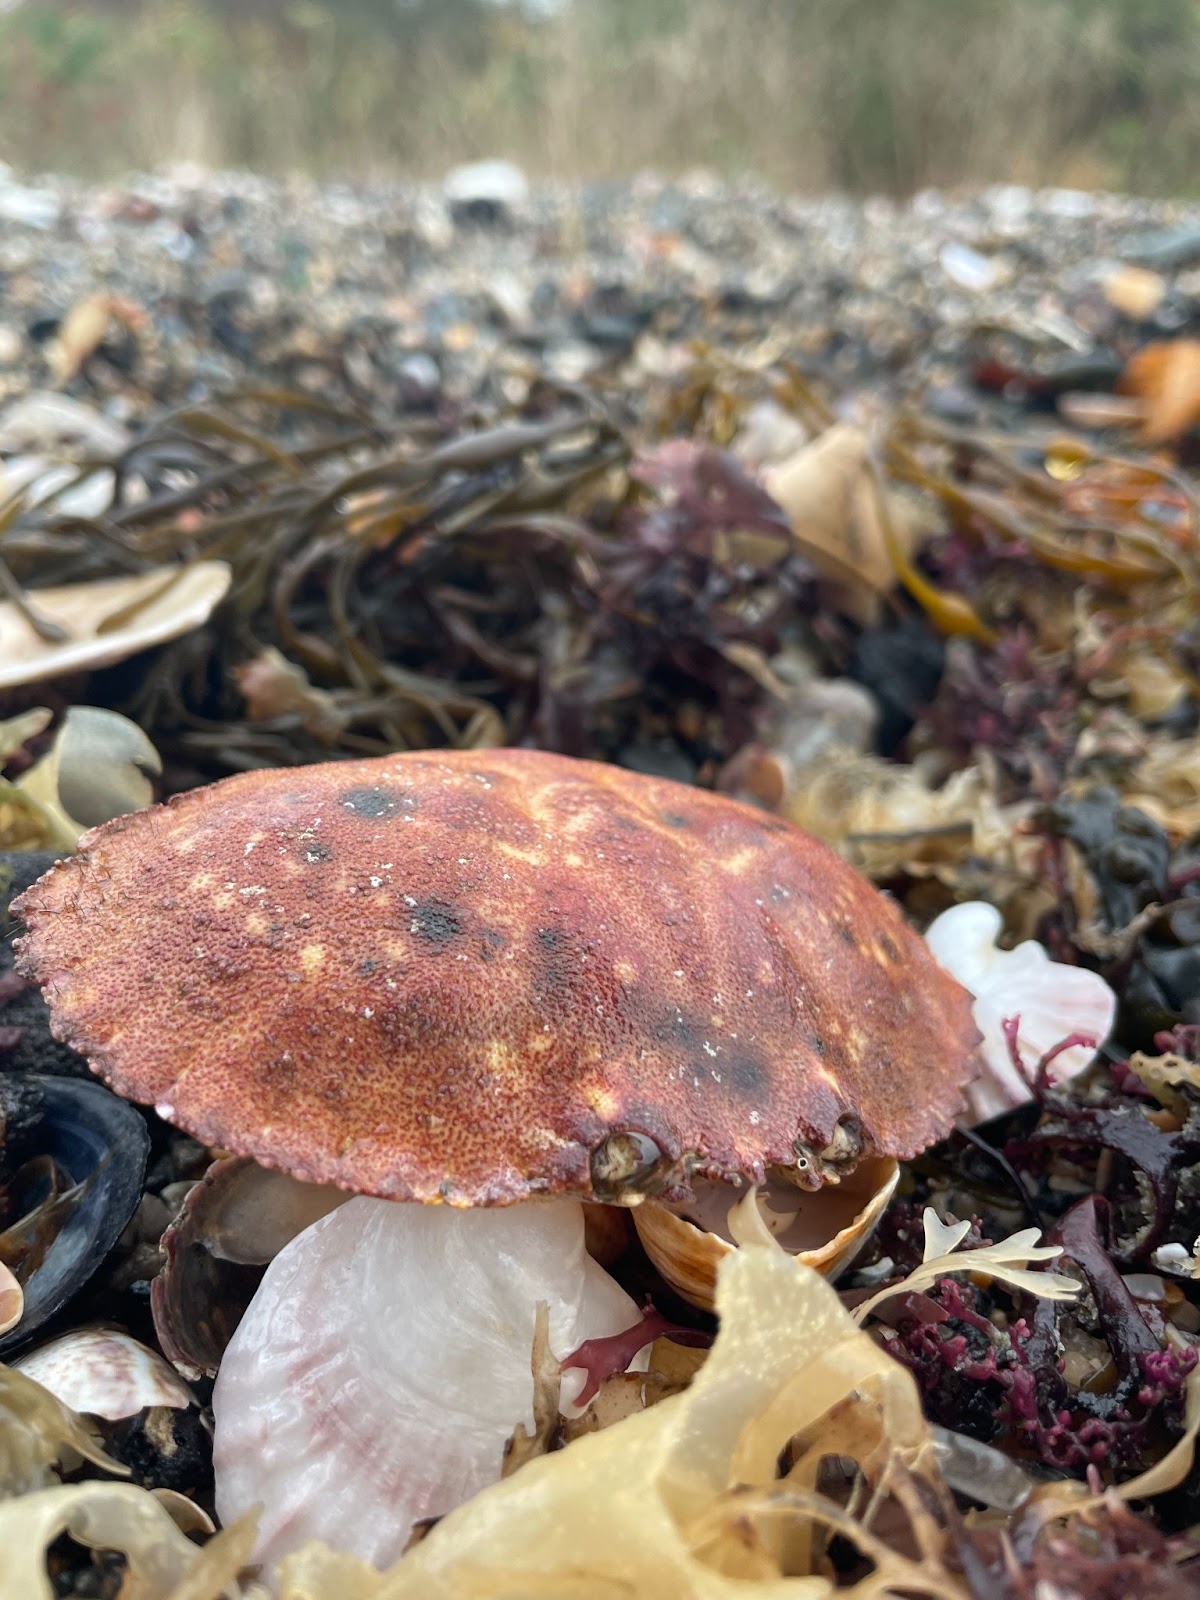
x: 626, y: 1167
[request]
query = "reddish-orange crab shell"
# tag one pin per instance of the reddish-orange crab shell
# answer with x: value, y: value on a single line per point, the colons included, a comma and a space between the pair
x: 456, y: 976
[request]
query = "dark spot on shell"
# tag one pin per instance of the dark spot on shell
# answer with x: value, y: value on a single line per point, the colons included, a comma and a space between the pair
x: 889, y: 946
x: 676, y: 819
x: 843, y: 932
x: 746, y: 1075
x: 627, y: 824
x: 437, y: 923
x: 367, y: 967
x: 371, y: 803
x: 676, y: 1030
x: 779, y: 893
x: 491, y: 940
x: 557, y: 968
x: 316, y: 853
x: 816, y: 1041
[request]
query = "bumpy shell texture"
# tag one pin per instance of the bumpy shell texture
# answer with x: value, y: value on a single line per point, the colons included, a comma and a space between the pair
x: 453, y: 976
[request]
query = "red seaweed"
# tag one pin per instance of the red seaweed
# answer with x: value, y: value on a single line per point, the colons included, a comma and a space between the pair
x: 604, y: 1358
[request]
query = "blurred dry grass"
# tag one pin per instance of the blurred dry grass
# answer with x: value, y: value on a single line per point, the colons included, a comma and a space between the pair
x: 863, y: 94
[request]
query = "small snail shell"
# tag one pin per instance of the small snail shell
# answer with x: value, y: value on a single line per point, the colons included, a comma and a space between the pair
x: 825, y: 1228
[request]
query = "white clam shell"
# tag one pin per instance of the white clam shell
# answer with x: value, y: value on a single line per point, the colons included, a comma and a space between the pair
x: 103, y: 1373
x: 385, y: 1361
x: 824, y: 1228
x: 108, y: 619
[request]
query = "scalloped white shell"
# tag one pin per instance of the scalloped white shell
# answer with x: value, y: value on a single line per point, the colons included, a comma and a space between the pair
x: 1052, y: 1000
x: 385, y: 1360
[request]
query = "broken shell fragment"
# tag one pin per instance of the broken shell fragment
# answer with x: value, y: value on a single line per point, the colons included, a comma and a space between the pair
x: 548, y: 976
x: 827, y: 493
x: 99, y: 767
x: 823, y: 1228
x: 231, y: 1224
x: 102, y: 1372
x: 384, y: 1364
x: 12, y: 1300
x: 147, y: 1418
x: 107, y: 620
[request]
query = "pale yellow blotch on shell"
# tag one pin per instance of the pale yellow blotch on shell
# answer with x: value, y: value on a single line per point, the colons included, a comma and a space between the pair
x: 740, y: 860
x: 501, y: 1060
x: 223, y: 901
x: 538, y: 1043
x: 202, y: 881
x: 532, y: 858
x: 312, y: 958
x: 573, y: 860
x: 256, y: 925
x: 626, y: 971
x: 582, y: 822
x: 603, y: 1102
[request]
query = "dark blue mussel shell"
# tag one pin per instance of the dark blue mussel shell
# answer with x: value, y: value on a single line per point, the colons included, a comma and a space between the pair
x: 100, y: 1144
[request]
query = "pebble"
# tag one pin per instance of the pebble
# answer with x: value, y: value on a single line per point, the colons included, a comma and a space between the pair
x: 420, y: 295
